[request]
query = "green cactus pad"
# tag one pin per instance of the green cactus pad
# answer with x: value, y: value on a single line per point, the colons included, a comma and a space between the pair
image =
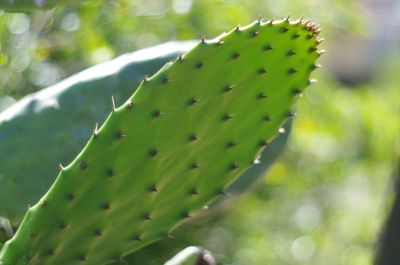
x: 174, y: 146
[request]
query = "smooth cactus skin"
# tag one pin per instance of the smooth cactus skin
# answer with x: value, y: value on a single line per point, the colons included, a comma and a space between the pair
x: 60, y: 119
x: 31, y: 5
x: 183, y: 136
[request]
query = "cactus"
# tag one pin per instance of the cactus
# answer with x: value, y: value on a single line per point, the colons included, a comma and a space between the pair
x: 192, y: 256
x: 70, y: 107
x: 30, y: 5
x: 174, y: 146
x: 61, y: 118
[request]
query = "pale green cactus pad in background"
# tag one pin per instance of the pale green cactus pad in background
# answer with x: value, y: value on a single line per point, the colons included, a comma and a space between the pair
x: 184, y: 135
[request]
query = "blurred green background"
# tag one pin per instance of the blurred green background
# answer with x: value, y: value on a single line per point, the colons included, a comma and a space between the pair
x: 327, y: 197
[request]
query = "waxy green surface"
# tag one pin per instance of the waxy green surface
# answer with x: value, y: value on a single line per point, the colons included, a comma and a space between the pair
x: 184, y: 135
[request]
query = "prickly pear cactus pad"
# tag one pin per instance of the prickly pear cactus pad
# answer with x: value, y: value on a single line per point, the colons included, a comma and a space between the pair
x: 183, y: 136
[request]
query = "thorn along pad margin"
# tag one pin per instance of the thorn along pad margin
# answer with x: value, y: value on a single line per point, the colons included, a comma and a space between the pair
x: 174, y: 146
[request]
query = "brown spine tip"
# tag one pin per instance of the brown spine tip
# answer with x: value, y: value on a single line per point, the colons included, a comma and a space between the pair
x: 237, y: 28
x: 82, y: 257
x: 43, y: 203
x: 63, y: 225
x: 203, y: 40
x: 146, y: 78
x: 50, y: 252
x: 181, y: 58
x: 292, y: 71
x: 62, y: 168
x: 311, y: 26
x: 254, y: 33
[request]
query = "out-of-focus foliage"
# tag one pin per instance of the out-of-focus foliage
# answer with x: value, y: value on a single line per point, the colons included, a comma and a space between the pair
x: 33, y: 5
x: 324, y: 200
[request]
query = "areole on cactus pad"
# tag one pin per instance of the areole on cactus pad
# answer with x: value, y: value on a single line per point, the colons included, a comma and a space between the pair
x: 174, y: 146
